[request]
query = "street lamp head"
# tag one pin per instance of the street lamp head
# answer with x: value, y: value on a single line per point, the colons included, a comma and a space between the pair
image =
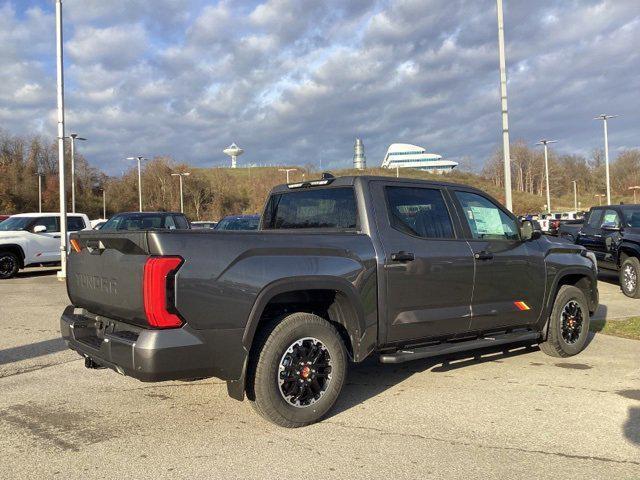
x: 75, y: 136
x: 604, y: 116
x: 546, y: 142
x: 136, y: 158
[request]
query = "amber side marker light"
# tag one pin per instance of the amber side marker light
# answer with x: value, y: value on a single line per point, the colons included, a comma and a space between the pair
x: 75, y: 244
x: 522, y: 306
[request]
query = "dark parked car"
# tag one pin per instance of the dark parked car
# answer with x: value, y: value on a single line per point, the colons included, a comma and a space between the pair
x: 612, y: 233
x: 146, y: 221
x: 3, y: 217
x: 340, y: 269
x: 239, y: 222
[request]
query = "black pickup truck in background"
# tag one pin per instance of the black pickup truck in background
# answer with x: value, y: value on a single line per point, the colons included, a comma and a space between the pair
x: 340, y: 269
x: 612, y: 233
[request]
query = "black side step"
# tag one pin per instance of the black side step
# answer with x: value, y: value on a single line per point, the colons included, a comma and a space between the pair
x: 445, y: 348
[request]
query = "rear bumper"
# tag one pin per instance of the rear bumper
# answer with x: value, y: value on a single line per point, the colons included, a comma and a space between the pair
x: 148, y: 355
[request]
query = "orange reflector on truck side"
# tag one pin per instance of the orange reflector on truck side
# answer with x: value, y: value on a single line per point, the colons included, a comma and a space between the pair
x: 76, y: 245
x: 521, y: 305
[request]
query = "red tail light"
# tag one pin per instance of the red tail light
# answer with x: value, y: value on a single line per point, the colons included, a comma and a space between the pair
x: 156, y: 289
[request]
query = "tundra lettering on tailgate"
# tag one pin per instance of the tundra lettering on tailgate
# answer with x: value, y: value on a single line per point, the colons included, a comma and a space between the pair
x: 96, y: 282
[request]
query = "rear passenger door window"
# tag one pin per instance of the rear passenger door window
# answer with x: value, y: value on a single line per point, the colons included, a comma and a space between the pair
x: 419, y: 211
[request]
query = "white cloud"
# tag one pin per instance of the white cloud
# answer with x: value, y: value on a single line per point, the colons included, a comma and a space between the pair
x: 296, y: 80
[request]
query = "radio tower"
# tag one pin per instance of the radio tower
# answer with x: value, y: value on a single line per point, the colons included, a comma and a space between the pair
x: 359, y: 159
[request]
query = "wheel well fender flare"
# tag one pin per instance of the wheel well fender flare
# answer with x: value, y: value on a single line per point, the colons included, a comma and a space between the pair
x: 627, y: 246
x: 353, y: 323
x: 569, y: 276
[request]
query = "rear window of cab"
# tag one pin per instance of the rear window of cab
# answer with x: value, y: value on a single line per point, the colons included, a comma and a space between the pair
x: 326, y: 208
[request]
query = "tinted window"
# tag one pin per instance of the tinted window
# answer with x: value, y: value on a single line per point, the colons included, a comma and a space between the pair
x: 324, y: 208
x: 15, y: 224
x: 135, y: 222
x: 594, y: 218
x: 632, y: 215
x: 50, y: 222
x: 419, y: 211
x: 181, y: 222
x: 75, y: 223
x: 238, y: 223
x: 486, y: 220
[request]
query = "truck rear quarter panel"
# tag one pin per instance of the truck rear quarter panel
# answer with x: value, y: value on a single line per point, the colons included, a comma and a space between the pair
x: 225, y: 274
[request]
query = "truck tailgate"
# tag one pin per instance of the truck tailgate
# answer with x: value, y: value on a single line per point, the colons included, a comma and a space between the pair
x: 105, y: 277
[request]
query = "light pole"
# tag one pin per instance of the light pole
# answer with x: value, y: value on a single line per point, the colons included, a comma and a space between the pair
x: 62, y: 274
x: 104, y: 203
x: 600, y: 196
x: 546, y: 168
x: 604, y: 119
x: 180, y: 175
x: 73, y: 137
x: 139, y: 159
x: 505, y: 113
x: 575, y: 195
x: 634, y: 188
x: 40, y: 175
x: 287, y: 170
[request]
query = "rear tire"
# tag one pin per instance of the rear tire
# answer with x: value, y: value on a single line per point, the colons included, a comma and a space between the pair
x: 9, y: 265
x: 630, y: 277
x: 568, y: 327
x: 298, y: 370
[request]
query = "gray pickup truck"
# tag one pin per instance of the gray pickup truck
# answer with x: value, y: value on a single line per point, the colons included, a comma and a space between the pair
x: 340, y: 269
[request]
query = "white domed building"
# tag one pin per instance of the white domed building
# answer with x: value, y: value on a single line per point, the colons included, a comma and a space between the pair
x: 405, y: 155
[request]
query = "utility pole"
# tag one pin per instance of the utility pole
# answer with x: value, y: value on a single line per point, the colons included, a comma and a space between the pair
x: 505, y: 112
x: 604, y: 119
x: 104, y: 203
x: 575, y: 195
x: 62, y: 274
x: 287, y: 170
x: 546, y: 168
x: 40, y: 175
x: 73, y: 137
x: 180, y: 175
x: 139, y: 159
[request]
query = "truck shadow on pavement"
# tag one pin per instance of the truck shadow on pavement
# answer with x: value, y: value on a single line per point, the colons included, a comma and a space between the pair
x: 32, y: 350
x: 37, y: 273
x: 370, y: 378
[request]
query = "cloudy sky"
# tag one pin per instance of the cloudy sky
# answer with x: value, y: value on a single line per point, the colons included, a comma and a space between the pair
x: 295, y: 81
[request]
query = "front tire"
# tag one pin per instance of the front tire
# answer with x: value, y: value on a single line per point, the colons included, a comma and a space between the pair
x: 298, y: 371
x: 630, y: 277
x: 568, y: 327
x: 9, y: 265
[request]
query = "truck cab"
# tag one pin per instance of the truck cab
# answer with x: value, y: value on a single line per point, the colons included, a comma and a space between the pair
x: 612, y: 233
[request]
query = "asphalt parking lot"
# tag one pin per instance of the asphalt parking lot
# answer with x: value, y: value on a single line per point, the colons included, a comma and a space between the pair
x: 519, y: 414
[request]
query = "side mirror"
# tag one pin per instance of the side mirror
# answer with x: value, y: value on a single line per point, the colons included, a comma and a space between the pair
x: 611, y: 227
x: 39, y: 229
x: 529, y: 231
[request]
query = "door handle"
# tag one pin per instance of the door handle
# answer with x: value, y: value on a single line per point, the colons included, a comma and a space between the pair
x: 56, y: 236
x: 403, y: 256
x: 484, y: 255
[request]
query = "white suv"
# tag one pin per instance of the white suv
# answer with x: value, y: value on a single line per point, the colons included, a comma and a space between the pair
x: 31, y: 239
